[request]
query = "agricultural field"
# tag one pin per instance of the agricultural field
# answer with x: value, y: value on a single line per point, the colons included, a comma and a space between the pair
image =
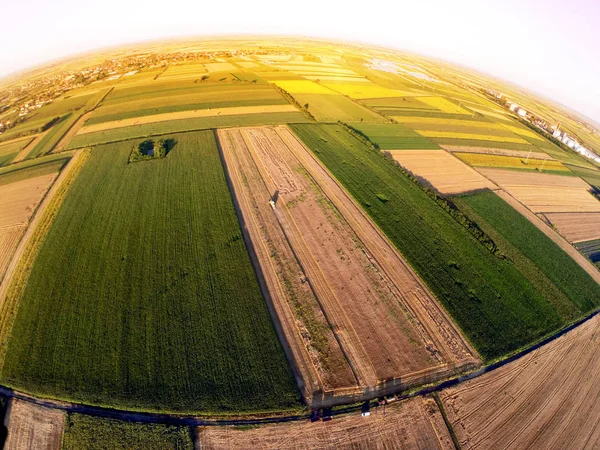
x: 445, y: 105
x: 415, y: 424
x: 219, y: 67
x: 442, y: 171
x: 547, y: 399
x: 194, y: 98
x: 513, y: 162
x: 183, y: 72
x: 184, y: 125
x: 494, y: 304
x: 393, y: 136
x: 190, y: 330
x: 543, y: 192
x: 82, y: 432
x: 591, y: 250
x: 591, y: 176
x: 576, y: 227
x: 365, y: 90
x: 10, y: 149
x: 316, y: 221
x: 31, y: 426
x: 556, y: 264
x: 498, y: 152
x: 446, y: 136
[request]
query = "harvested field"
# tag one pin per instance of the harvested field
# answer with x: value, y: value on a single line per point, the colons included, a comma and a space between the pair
x: 548, y: 399
x: 232, y: 111
x: 444, y: 172
x: 219, y: 67
x: 409, y: 425
x: 19, y: 199
x: 498, y: 151
x: 576, y: 227
x: 513, y: 162
x: 366, y: 90
x: 336, y: 78
x: 387, y: 325
x: 545, y: 193
x: 443, y: 135
x: 303, y: 87
x: 9, y: 239
x: 33, y: 427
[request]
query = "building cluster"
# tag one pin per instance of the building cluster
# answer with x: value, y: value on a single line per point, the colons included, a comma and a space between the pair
x: 570, y: 141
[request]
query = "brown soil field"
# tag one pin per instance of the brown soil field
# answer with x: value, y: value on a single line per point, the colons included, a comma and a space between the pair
x: 414, y: 424
x: 9, y: 239
x: 33, y: 427
x: 497, y: 151
x: 387, y: 328
x: 545, y: 193
x: 18, y: 200
x: 576, y: 227
x: 232, y: 111
x: 447, y: 174
x: 549, y: 399
x: 23, y: 153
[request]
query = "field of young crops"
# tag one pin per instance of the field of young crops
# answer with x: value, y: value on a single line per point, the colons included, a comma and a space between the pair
x: 182, y: 125
x: 143, y: 295
x: 393, y: 136
x: 10, y: 149
x: 496, y: 306
x: 559, y: 267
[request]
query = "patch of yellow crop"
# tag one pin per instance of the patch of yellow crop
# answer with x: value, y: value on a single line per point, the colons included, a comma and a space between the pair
x: 444, y: 105
x: 456, y: 122
x: 219, y: 67
x: 524, y: 132
x: 510, y: 162
x: 302, y: 87
x: 471, y: 136
x: 366, y: 90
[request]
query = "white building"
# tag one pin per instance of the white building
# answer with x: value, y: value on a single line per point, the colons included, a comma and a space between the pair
x: 521, y: 112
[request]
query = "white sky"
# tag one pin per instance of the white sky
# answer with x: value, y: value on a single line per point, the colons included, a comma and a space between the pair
x: 551, y: 47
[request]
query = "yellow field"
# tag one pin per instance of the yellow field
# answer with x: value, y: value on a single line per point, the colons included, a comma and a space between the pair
x: 480, y: 160
x: 219, y: 67
x: 183, y: 71
x: 247, y: 64
x: 347, y: 79
x: 446, y: 173
x: 472, y: 136
x: 524, y: 132
x: 325, y: 70
x: 366, y: 90
x: 444, y: 105
x: 303, y: 87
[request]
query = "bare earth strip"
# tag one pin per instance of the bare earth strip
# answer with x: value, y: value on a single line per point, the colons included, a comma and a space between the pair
x: 443, y: 171
x: 388, y: 326
x: 33, y: 427
x: 70, y: 134
x: 497, y: 151
x: 414, y: 424
x: 545, y: 193
x: 211, y: 112
x: 557, y: 238
x: 18, y: 200
x: 548, y: 399
x: 23, y: 153
x: 9, y: 239
x: 576, y: 227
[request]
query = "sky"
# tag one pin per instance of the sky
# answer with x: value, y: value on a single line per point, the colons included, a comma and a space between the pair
x: 550, y: 47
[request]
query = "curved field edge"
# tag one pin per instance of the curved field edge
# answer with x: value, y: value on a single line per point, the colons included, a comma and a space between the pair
x: 16, y: 284
x: 494, y: 304
x: 144, y: 296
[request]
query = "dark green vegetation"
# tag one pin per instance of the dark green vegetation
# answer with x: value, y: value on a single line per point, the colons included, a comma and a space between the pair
x: 180, y: 125
x: 33, y: 168
x: 393, y: 136
x: 150, y: 149
x: 84, y: 432
x: 143, y: 295
x: 557, y: 265
x: 496, y: 306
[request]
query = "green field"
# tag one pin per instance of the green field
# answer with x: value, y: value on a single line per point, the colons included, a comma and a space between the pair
x: 143, y: 295
x: 205, y: 98
x: 33, y: 168
x: 590, y: 175
x: 557, y: 265
x: 334, y: 107
x: 10, y: 149
x: 393, y: 136
x: 84, y: 432
x: 181, y: 125
x: 496, y: 306
x: 51, y: 138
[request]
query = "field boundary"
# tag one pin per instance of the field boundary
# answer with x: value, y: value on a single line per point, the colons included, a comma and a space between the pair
x: 172, y: 419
